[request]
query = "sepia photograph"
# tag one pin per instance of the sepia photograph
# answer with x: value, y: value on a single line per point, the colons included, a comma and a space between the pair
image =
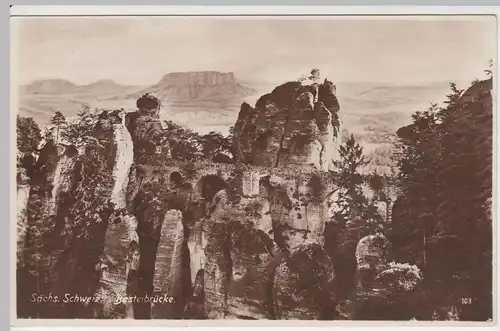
x: 254, y: 167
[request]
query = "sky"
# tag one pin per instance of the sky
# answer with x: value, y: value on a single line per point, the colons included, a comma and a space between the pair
x: 140, y: 50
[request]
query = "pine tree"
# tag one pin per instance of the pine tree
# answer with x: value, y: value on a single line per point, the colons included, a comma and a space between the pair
x: 355, y: 215
x: 352, y: 201
x: 450, y: 101
x: 58, y: 119
x: 80, y: 132
x: 442, y: 221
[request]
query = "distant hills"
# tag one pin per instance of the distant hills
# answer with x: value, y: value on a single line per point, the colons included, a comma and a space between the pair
x: 206, y: 95
x: 62, y: 86
x: 210, y: 100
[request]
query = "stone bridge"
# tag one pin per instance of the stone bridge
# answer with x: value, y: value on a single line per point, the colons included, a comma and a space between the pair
x: 225, y: 229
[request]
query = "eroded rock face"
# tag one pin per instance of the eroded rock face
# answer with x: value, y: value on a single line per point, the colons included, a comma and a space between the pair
x: 239, y: 246
x: 294, y: 125
x: 146, y: 130
x: 239, y: 261
x: 169, y: 262
x: 371, y: 253
x: 298, y: 209
x: 120, y: 263
x: 122, y: 163
x: 169, y: 231
x: 47, y: 206
x: 67, y: 210
x: 23, y: 190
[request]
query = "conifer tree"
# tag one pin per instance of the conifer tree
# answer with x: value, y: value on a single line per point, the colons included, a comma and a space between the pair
x: 58, y: 119
x: 443, y: 215
x: 353, y: 204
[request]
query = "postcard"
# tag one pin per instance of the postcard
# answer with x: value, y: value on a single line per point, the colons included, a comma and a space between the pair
x: 286, y: 168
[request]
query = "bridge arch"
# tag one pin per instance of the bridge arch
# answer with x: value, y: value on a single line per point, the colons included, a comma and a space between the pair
x: 176, y: 178
x: 208, y: 186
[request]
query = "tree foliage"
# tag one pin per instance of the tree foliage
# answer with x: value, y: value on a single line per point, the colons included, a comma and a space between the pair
x: 58, y: 118
x: 354, y: 215
x: 400, y: 277
x: 353, y: 204
x: 313, y: 76
x: 28, y: 134
x: 187, y: 145
x: 148, y: 102
x: 444, y: 222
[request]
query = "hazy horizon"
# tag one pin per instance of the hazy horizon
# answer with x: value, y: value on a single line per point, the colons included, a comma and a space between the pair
x: 141, y: 50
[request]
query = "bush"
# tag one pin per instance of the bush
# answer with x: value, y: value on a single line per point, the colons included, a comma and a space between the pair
x: 401, y: 277
x: 148, y: 102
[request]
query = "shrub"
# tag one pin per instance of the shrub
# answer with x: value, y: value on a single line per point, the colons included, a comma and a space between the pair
x: 148, y: 102
x: 402, y: 277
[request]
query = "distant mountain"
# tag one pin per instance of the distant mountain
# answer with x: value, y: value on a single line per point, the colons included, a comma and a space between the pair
x: 62, y: 86
x: 210, y: 100
x: 195, y: 87
x: 105, y: 86
x: 49, y: 86
x: 192, y: 94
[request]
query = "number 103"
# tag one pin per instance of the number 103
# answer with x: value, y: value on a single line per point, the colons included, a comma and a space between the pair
x: 466, y: 301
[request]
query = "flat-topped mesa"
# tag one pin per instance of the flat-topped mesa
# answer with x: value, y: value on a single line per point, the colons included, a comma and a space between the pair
x: 294, y: 125
x: 204, y: 78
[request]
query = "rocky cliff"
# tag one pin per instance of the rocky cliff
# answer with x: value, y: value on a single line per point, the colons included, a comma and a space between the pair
x: 294, y: 125
x: 111, y: 215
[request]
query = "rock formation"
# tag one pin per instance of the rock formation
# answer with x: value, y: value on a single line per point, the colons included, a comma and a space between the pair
x: 371, y: 258
x: 23, y: 190
x: 238, y: 240
x: 294, y: 125
x: 119, y: 266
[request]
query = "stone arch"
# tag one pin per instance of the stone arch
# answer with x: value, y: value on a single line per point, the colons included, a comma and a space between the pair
x: 265, y: 186
x: 176, y: 178
x: 208, y: 186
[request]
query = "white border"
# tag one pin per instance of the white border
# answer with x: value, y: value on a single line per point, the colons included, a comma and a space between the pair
x: 23, y: 10
x: 257, y: 11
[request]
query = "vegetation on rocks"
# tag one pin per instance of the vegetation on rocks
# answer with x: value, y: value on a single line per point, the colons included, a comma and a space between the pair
x: 437, y: 234
x: 442, y: 220
x: 187, y: 145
